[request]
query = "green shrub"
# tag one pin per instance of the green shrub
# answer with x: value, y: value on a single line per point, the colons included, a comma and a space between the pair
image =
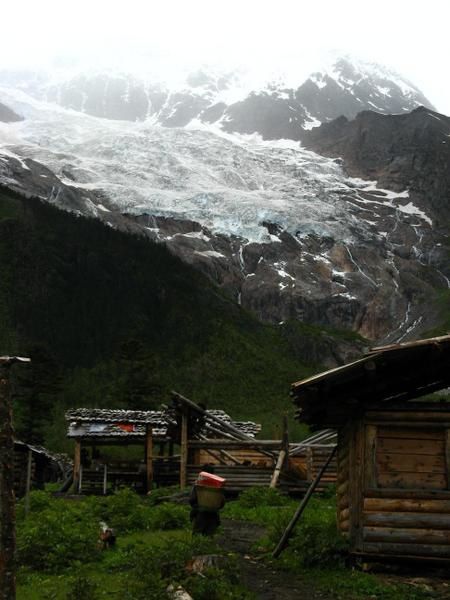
x: 262, y: 496
x: 52, y: 538
x: 167, y: 516
x: 319, y: 545
x: 123, y: 510
x: 82, y: 588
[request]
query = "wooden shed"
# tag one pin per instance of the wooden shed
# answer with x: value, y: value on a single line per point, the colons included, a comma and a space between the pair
x: 393, y: 466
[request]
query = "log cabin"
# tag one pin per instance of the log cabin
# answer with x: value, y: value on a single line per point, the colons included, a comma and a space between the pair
x: 393, y: 459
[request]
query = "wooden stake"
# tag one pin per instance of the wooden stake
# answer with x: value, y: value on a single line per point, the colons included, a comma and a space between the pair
x: 184, y: 450
x: 149, y: 457
x: 287, y: 534
x: 278, y: 467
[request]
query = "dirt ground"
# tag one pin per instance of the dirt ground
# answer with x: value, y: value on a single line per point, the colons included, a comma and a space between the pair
x: 262, y: 578
x: 269, y: 583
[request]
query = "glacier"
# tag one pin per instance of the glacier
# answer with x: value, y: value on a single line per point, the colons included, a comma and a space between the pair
x: 230, y: 183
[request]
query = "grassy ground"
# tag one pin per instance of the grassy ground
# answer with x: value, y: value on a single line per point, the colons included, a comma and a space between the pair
x: 60, y: 557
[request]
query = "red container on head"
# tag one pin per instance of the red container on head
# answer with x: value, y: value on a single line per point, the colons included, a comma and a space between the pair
x: 210, y: 480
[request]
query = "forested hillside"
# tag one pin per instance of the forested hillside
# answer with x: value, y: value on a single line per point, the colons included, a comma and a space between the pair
x: 113, y: 320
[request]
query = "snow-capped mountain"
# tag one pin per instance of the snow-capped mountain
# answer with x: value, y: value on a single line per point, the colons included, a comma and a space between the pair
x: 284, y: 230
x: 276, y: 109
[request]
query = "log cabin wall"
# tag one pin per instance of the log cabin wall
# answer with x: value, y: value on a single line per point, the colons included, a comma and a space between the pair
x: 343, y: 478
x: 404, y: 491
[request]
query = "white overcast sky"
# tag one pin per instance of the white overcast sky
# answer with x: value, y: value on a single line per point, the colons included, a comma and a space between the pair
x: 411, y: 37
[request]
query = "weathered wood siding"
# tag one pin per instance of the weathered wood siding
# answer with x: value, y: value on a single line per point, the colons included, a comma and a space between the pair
x: 398, y: 503
x: 343, y: 476
x: 244, y: 456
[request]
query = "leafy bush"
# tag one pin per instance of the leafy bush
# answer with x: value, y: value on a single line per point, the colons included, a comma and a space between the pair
x: 167, y: 516
x: 124, y: 510
x: 262, y: 496
x: 52, y: 538
x: 82, y: 588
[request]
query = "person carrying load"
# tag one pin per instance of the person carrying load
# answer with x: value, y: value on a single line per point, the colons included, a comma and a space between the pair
x: 206, y: 499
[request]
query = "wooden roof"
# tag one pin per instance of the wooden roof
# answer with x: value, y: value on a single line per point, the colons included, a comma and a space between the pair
x: 398, y: 372
x: 130, y: 425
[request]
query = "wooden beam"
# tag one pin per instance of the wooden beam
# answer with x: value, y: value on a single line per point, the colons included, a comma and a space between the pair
x: 184, y: 449
x: 149, y: 458
x: 286, y: 535
x: 278, y: 467
x: 216, y: 444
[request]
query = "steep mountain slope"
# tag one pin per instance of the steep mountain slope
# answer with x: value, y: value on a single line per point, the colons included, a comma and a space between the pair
x: 283, y: 230
x: 400, y: 151
x: 274, y: 109
x: 111, y: 319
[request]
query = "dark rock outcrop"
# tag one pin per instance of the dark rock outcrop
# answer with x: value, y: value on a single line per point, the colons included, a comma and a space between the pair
x: 410, y: 151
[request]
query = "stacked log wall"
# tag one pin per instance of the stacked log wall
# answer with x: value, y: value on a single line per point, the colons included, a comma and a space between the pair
x: 405, y: 507
x: 343, y: 478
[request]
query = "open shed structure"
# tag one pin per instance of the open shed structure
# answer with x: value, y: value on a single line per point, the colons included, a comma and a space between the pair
x: 393, y: 466
x: 199, y: 437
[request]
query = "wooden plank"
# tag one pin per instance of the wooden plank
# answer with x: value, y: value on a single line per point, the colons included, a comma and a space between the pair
x: 370, y: 453
x: 410, y: 446
x: 406, y: 505
x: 412, y: 433
x: 408, y: 549
x: 434, y: 481
x: 406, y: 535
x: 408, y: 417
x: 217, y: 444
x: 356, y: 485
x: 447, y: 456
x: 410, y: 463
x: 411, y: 494
x: 410, y: 519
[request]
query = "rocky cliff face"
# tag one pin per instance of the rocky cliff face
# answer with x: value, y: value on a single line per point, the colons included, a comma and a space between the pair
x: 400, y: 151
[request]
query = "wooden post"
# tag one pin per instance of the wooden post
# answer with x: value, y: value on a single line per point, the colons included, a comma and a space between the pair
x: 286, y: 535
x: 184, y: 450
x: 149, y: 458
x: 7, y: 499
x: 105, y: 479
x: 309, y: 464
x: 28, y: 482
x: 278, y: 467
x: 76, y: 466
x: 286, y: 435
